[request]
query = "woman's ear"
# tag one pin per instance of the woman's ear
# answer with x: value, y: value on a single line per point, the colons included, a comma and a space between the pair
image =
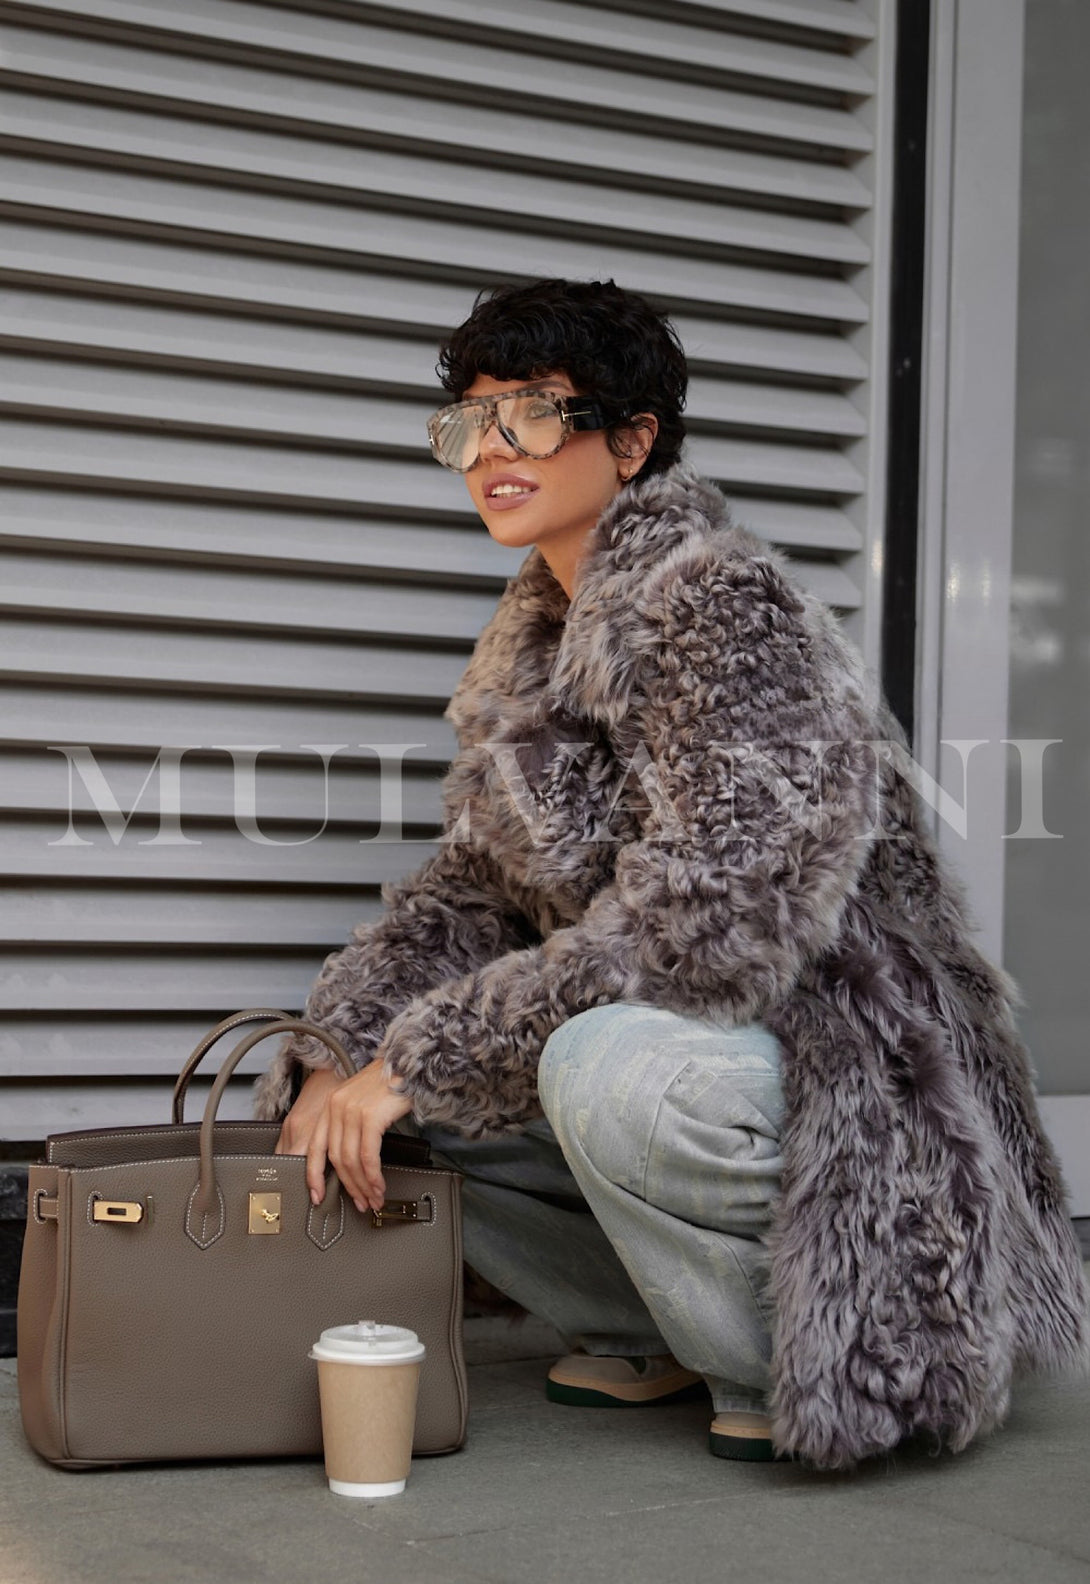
x: 633, y: 442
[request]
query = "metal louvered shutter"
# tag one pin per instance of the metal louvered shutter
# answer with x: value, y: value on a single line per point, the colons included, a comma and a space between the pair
x: 231, y: 236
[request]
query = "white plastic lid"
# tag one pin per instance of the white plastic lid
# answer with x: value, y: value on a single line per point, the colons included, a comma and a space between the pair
x: 368, y: 1343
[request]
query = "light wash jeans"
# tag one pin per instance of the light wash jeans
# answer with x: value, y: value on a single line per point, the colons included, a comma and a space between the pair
x: 631, y: 1219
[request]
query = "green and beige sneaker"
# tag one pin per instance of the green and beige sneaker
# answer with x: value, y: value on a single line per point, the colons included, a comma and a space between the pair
x: 582, y: 1381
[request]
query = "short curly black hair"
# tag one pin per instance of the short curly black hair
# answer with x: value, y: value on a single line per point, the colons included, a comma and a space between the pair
x: 611, y: 343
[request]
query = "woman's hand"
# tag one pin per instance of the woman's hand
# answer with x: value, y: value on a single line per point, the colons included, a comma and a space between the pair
x: 308, y: 1112
x: 344, y: 1119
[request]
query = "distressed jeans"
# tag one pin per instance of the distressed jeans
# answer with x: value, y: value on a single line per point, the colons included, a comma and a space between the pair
x: 631, y: 1216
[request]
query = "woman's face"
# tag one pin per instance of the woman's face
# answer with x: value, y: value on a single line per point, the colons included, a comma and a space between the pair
x: 554, y: 501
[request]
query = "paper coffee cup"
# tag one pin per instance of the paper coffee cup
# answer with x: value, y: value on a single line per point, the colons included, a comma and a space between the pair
x: 368, y: 1377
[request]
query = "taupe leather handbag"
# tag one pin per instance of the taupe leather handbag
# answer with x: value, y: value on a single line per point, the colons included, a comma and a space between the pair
x: 175, y: 1277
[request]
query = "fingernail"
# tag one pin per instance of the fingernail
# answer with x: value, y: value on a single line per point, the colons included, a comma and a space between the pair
x: 315, y: 1196
x: 360, y: 1206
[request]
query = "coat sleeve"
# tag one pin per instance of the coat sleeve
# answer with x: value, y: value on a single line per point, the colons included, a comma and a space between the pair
x: 762, y: 800
x: 450, y: 916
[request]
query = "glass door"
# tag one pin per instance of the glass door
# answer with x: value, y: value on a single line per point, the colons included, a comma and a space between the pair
x: 1047, y: 878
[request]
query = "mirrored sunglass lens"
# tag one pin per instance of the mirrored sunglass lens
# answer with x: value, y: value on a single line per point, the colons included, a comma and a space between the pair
x: 455, y: 434
x: 534, y: 421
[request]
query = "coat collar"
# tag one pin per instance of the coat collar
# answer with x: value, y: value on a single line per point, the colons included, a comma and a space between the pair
x: 640, y: 526
x: 581, y: 654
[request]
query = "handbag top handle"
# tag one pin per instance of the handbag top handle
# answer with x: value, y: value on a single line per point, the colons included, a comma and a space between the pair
x: 206, y: 1191
x: 236, y: 1019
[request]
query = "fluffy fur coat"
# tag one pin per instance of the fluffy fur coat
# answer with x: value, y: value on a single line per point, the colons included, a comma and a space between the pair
x: 667, y: 792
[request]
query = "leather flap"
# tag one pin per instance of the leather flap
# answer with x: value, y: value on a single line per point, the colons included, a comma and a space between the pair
x: 115, y: 1146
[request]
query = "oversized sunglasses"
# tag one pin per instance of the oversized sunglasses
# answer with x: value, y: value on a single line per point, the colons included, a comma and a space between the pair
x: 535, y: 422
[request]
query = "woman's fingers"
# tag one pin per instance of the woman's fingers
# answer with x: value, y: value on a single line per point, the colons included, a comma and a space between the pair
x: 336, y: 1134
x: 355, y: 1148
x: 298, y: 1129
x: 348, y: 1158
x: 371, y: 1161
x: 317, y: 1148
x: 358, y: 1159
x: 343, y: 1120
x: 360, y: 1110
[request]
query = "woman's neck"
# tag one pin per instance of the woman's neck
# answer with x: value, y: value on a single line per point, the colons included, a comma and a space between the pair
x: 566, y: 557
x: 564, y: 568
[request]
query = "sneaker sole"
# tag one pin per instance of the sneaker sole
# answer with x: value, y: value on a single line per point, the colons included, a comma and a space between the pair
x: 587, y: 1397
x: 749, y: 1449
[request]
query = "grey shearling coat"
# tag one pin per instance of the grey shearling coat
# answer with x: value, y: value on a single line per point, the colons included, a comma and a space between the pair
x: 665, y: 793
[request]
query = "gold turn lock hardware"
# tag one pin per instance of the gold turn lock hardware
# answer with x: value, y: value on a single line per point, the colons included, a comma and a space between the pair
x: 264, y: 1212
x: 117, y: 1210
x: 400, y: 1210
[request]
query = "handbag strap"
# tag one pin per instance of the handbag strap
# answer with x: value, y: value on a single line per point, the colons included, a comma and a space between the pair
x: 236, y: 1019
x: 205, y: 1196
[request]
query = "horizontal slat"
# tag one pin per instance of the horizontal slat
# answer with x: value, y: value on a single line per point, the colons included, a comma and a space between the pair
x: 33, y: 1109
x: 757, y: 463
x: 762, y: 347
x: 127, y: 266
x: 157, y: 334
x: 50, y: 453
x: 143, y: 333
x: 263, y: 538
x: 352, y: 790
x: 345, y: 300
x: 308, y: 41
x: 62, y: 650
x: 144, y: 656
x: 98, y: 1045
x: 463, y: 192
x: 103, y: 587
x: 74, y: 453
x: 796, y: 526
x: 441, y: 129
x: 449, y: 556
x: 590, y: 29
x: 59, y: 385
x: 238, y: 601
x: 68, y: 913
x: 139, y: 718
x: 167, y: 396
x: 86, y: 980
x: 842, y: 17
x: 750, y: 404
x: 390, y: 239
x: 140, y: 332
x: 830, y: 583
x: 29, y: 848
x: 169, y: 337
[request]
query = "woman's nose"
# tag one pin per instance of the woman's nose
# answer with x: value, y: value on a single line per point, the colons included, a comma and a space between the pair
x: 492, y: 442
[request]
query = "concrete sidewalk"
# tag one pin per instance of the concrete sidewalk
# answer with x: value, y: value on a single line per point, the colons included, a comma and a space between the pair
x: 544, y: 1494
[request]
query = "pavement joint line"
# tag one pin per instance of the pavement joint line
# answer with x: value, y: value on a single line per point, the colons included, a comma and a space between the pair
x: 989, y: 1527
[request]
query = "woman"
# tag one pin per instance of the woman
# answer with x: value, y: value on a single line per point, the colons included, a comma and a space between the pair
x: 687, y: 958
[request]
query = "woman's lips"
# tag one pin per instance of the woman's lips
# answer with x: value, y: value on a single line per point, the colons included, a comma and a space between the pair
x: 508, y: 490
